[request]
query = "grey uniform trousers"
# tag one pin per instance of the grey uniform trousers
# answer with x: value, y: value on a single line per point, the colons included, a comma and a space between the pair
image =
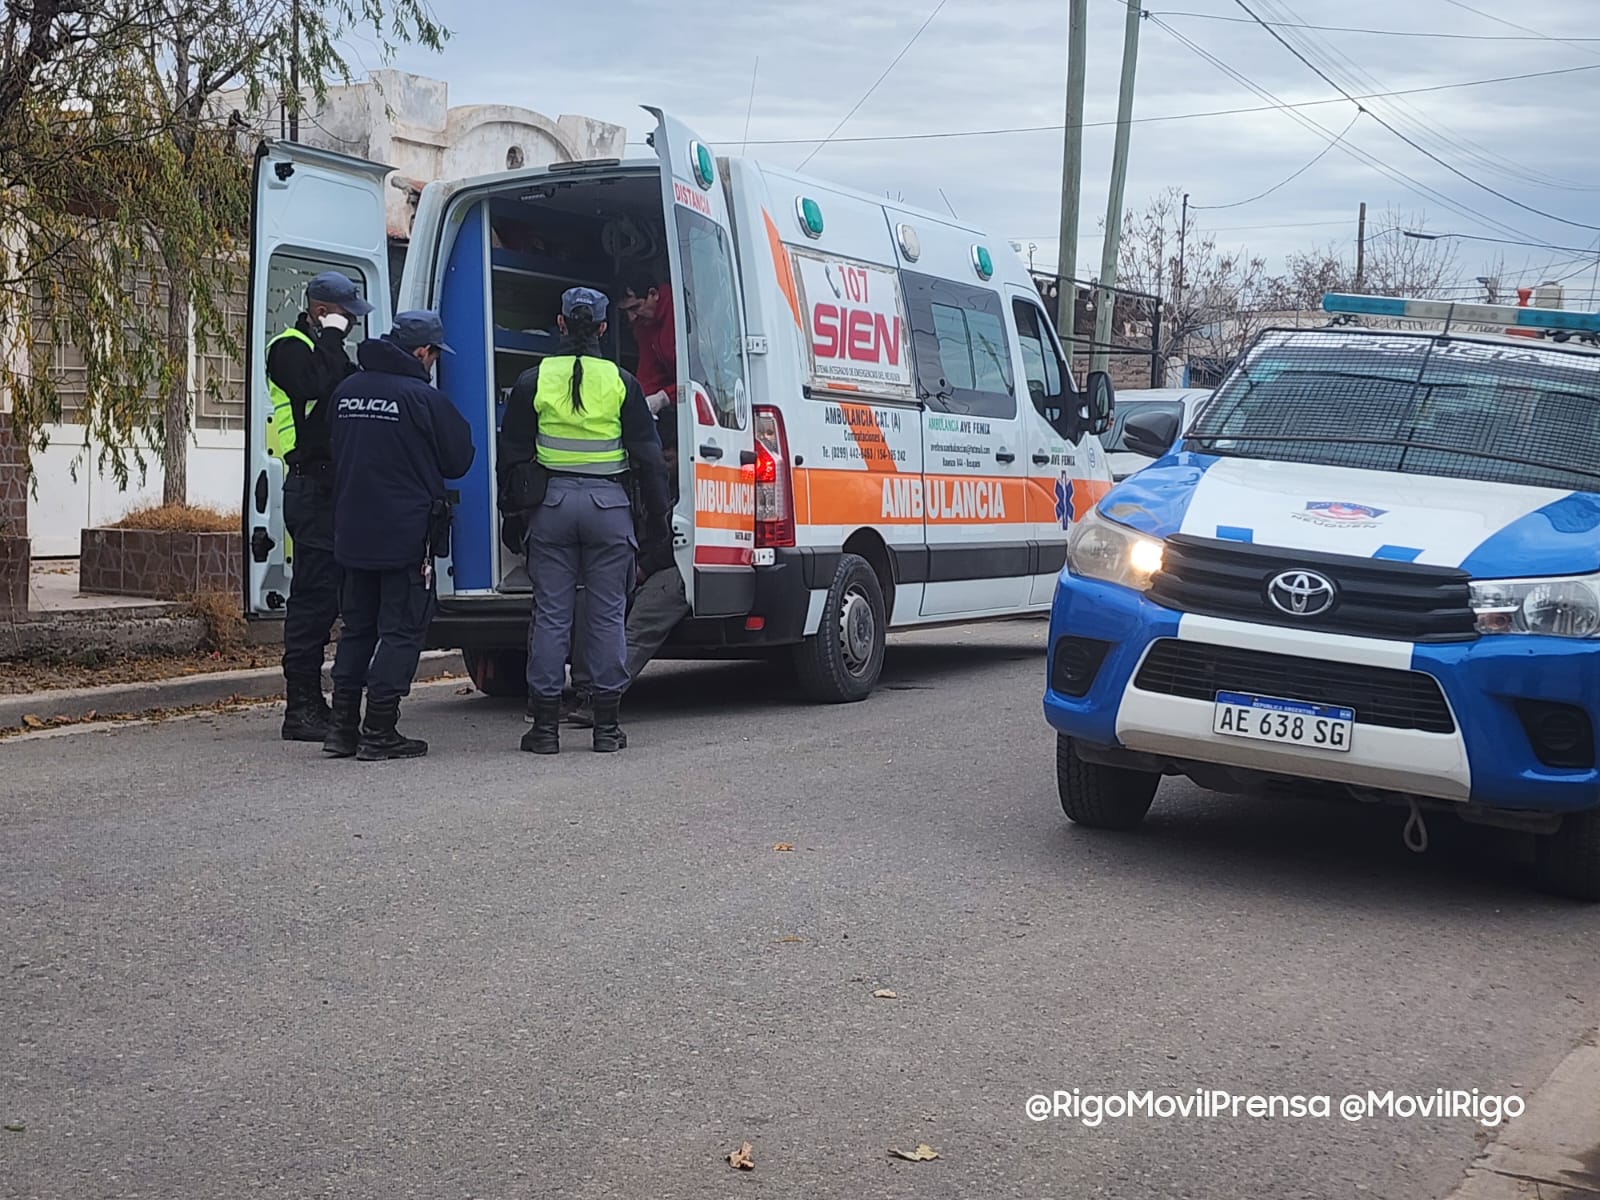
x: 581, y: 534
x: 658, y: 604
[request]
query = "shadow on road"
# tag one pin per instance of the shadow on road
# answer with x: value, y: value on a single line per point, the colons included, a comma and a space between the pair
x: 708, y: 688
x: 1343, y: 851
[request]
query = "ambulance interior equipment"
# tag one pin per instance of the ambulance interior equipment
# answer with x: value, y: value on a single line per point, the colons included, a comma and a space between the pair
x: 1371, y: 565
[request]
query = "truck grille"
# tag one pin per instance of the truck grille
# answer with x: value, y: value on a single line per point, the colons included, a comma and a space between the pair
x: 1380, y: 695
x: 1373, y: 597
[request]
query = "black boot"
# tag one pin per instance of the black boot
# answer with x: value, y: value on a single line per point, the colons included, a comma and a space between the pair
x: 545, y: 736
x: 344, y: 730
x: 380, y: 739
x: 608, y: 735
x: 580, y: 713
x: 306, y: 716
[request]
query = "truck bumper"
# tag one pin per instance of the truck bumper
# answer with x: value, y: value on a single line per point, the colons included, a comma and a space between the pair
x: 1515, y: 729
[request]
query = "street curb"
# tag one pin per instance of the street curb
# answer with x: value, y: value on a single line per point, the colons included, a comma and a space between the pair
x: 131, y: 699
x: 1553, y: 1150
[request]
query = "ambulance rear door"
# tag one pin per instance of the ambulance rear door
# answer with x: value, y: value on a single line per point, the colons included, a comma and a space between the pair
x: 714, y: 521
x: 312, y: 211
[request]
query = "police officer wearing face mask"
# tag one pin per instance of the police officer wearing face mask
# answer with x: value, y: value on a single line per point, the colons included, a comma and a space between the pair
x: 396, y: 440
x: 304, y: 364
x: 575, y: 426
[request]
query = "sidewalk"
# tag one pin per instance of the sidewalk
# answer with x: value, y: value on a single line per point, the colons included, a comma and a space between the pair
x: 53, y: 589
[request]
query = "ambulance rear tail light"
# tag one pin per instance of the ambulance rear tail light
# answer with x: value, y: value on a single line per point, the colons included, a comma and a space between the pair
x: 1515, y: 316
x: 774, y: 480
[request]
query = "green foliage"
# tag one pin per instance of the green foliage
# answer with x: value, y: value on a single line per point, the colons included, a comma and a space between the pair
x: 124, y: 194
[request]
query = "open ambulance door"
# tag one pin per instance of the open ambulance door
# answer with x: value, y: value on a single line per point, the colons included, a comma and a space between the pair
x: 312, y: 211
x: 714, y: 521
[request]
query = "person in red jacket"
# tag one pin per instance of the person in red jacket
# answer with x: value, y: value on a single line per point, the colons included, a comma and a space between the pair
x: 647, y: 303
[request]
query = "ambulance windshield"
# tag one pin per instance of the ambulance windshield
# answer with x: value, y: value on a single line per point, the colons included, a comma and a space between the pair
x: 1459, y: 406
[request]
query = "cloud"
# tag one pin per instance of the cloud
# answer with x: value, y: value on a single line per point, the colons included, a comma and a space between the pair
x: 1002, y: 65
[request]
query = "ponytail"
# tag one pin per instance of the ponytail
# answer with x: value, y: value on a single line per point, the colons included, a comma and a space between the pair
x: 582, y: 330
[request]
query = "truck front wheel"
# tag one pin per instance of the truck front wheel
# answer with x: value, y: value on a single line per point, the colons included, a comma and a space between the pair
x: 1569, y: 858
x: 1099, y: 796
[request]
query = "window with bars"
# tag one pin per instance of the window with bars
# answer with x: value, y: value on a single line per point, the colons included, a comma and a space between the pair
x: 1466, y: 407
x: 220, y: 378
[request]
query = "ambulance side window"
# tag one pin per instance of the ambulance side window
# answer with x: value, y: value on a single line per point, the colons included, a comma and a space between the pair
x: 711, y: 318
x: 958, y: 341
x: 1049, y: 385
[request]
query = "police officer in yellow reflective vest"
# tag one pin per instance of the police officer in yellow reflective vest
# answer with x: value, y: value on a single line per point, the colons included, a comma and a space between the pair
x: 575, y: 427
x: 304, y: 364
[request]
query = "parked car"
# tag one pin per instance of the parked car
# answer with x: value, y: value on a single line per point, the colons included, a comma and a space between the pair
x: 1183, y: 403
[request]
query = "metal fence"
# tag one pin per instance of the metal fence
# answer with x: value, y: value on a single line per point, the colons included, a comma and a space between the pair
x: 1133, y: 350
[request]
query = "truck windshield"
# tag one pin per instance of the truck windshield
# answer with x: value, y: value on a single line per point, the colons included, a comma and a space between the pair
x: 1460, y: 406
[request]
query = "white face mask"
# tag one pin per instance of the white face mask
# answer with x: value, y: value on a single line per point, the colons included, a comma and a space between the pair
x: 337, y: 321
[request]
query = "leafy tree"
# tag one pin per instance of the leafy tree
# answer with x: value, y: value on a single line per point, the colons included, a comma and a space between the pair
x: 126, y: 192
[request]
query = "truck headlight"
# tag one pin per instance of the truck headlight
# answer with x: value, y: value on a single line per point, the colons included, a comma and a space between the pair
x: 1101, y: 549
x: 1568, y: 606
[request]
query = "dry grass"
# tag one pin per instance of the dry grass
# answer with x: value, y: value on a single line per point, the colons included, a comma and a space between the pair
x: 180, y: 518
x: 223, y: 620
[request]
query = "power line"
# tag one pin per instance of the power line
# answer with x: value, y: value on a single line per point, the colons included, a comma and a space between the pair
x: 1193, y: 116
x: 1422, y: 126
x: 1393, y: 174
x: 1424, y: 151
x: 1321, y: 154
x: 1498, y: 20
x: 868, y: 93
x: 1412, y: 33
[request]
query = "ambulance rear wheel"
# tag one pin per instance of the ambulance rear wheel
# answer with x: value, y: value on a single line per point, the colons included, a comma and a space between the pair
x: 499, y: 673
x: 1099, y: 796
x: 842, y: 661
x: 1569, y: 858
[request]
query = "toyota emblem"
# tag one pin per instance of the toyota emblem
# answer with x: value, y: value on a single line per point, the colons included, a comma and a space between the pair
x: 1301, y: 593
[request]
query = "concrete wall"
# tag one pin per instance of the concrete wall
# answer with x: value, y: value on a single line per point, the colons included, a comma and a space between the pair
x: 406, y: 122
x: 74, y: 494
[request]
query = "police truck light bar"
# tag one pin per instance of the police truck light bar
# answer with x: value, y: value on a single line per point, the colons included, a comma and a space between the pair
x: 1445, y: 310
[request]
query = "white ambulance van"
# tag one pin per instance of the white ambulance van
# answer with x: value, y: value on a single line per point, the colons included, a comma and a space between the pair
x: 876, y: 426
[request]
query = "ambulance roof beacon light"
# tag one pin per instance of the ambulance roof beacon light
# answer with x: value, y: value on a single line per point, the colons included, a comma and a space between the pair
x: 1450, y: 312
x: 982, y: 262
x: 810, y: 214
x: 705, y: 169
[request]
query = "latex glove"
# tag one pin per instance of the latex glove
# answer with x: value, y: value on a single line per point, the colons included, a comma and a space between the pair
x: 657, y: 401
x: 336, y: 321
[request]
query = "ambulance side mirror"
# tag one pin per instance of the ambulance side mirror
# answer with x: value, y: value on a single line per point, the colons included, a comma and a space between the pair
x: 1099, y: 398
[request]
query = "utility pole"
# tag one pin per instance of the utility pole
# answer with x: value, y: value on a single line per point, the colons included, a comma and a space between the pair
x: 1361, y: 248
x: 1072, y: 171
x: 1177, y: 284
x: 294, y: 71
x: 1106, y: 303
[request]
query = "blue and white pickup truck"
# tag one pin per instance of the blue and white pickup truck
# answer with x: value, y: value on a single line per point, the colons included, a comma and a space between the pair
x: 1372, y: 561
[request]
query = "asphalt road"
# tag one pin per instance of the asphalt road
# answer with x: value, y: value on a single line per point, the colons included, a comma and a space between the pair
x: 231, y: 968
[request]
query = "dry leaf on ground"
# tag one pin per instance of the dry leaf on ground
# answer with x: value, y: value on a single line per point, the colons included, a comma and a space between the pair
x: 885, y: 994
x: 31, y: 721
x: 784, y: 846
x: 740, y: 1159
x: 923, y: 1153
x: 465, y: 691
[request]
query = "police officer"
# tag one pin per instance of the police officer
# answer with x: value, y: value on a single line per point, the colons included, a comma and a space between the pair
x: 396, y: 439
x: 575, y: 425
x: 304, y: 364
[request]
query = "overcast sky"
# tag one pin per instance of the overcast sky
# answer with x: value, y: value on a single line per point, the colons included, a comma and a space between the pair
x: 1001, y: 64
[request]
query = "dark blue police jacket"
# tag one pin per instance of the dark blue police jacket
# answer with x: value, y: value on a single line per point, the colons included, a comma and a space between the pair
x: 396, y: 439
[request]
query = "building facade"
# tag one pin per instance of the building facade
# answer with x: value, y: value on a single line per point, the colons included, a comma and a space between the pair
x: 404, y: 121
